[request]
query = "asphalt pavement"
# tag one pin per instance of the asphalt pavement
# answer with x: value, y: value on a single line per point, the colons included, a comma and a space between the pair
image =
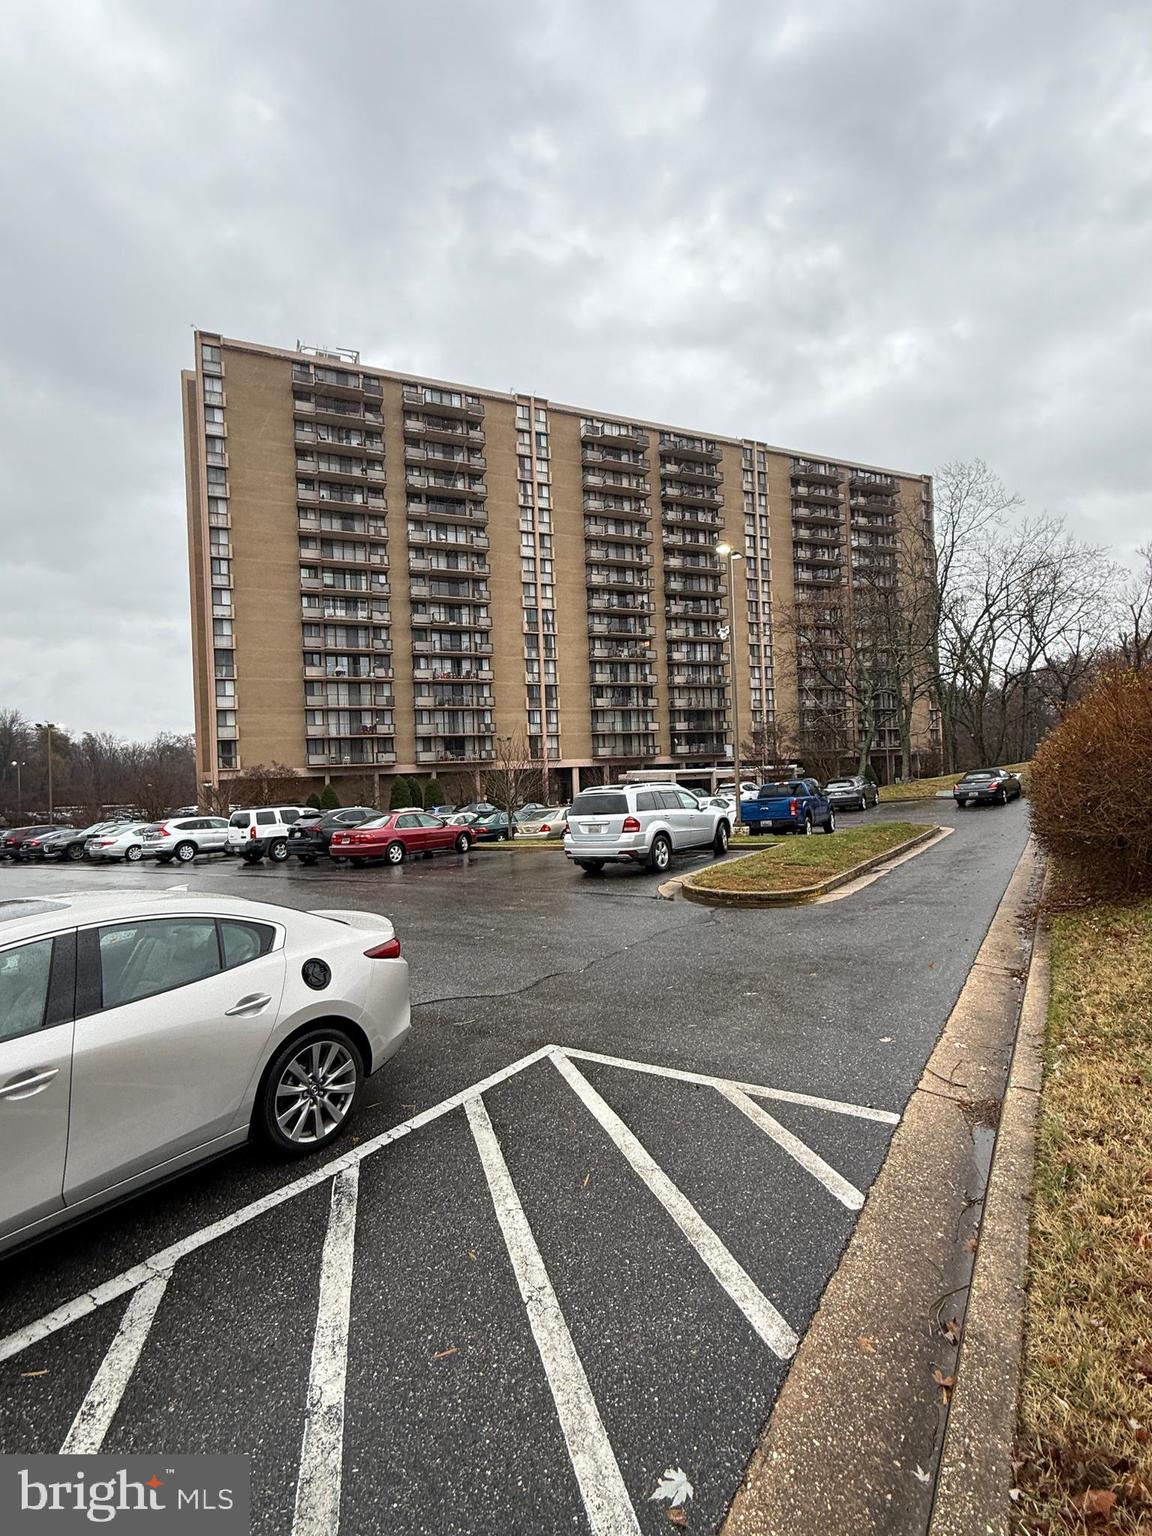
x: 554, y: 1287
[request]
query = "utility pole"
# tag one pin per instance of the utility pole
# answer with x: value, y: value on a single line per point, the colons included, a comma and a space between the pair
x: 19, y: 791
x: 729, y: 556
x: 48, y: 726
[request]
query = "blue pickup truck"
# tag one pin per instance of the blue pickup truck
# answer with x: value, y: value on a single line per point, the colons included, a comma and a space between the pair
x: 791, y: 805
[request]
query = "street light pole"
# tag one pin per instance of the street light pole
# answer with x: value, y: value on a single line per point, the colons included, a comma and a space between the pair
x: 730, y: 556
x: 48, y: 726
x: 19, y: 791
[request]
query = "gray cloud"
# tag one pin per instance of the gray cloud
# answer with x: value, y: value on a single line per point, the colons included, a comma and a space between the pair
x: 901, y: 233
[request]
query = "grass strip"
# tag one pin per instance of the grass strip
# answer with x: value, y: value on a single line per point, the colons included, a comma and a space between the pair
x: 792, y: 863
x: 1085, y: 1430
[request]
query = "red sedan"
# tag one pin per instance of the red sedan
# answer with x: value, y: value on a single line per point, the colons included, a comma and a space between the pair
x: 399, y: 835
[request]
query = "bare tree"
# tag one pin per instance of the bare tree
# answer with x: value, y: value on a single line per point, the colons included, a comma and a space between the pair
x: 265, y: 784
x: 516, y: 777
x: 1135, y: 601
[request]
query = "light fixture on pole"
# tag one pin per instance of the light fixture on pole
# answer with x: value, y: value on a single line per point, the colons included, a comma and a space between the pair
x: 729, y: 556
x: 48, y: 726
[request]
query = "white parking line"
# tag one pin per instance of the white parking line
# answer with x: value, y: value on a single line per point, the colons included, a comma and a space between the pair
x: 163, y: 1261
x: 728, y: 1272
x: 322, y: 1450
x: 832, y: 1181
x: 606, y: 1501
x: 835, y: 1106
x: 98, y: 1409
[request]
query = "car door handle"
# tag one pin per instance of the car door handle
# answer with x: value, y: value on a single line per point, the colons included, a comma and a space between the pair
x: 31, y: 1083
x: 251, y: 1004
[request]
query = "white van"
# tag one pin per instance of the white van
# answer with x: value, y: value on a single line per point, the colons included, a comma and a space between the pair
x: 257, y: 832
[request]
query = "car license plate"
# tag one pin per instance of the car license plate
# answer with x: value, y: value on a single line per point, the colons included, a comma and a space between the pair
x: 596, y: 826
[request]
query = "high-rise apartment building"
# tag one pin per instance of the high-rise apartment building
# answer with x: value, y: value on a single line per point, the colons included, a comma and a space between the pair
x: 396, y: 575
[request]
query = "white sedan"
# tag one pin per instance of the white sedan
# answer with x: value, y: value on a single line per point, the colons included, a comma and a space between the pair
x: 144, y: 1032
x: 125, y: 841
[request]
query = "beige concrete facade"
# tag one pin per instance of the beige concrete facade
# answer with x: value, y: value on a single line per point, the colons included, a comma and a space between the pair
x: 391, y: 574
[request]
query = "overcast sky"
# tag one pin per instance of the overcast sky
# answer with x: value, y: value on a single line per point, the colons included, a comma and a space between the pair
x: 904, y: 233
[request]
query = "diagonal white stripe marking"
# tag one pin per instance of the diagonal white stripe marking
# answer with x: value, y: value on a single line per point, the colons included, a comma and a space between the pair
x: 832, y: 1181
x: 99, y: 1407
x: 162, y: 1262
x: 606, y: 1501
x: 729, y: 1273
x: 322, y: 1449
x: 860, y: 1111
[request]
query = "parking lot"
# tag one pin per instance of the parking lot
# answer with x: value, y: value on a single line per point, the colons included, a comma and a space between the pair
x: 588, y: 1212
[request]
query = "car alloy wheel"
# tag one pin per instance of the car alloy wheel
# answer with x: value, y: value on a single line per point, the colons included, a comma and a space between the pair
x: 463, y: 843
x: 134, y: 854
x: 185, y: 852
x: 720, y: 843
x: 806, y: 830
x: 394, y: 853
x: 863, y: 803
x: 75, y: 852
x: 661, y: 855
x: 310, y: 1091
x: 278, y: 850
x: 830, y: 824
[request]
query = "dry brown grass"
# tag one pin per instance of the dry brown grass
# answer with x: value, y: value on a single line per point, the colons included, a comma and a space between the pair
x: 792, y: 863
x: 1085, y: 1432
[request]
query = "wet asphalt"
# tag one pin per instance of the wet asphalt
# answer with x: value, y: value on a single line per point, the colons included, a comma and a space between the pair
x: 450, y: 1423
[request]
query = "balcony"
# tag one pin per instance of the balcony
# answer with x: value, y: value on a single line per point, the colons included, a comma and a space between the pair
x: 433, y: 591
x: 872, y: 484
x: 456, y: 460
x: 619, y: 501
x: 606, y: 528
x: 639, y: 648
x: 698, y: 585
x: 425, y: 672
x: 701, y: 608
x: 468, y: 647
x: 620, y: 434
x: 690, y: 469
x: 424, y: 700
x: 820, y: 473
x: 449, y: 403
x: 447, y: 537
x: 446, y: 485
x: 620, y: 602
x: 627, y: 747
x: 692, y: 517
x: 617, y: 554
x: 456, y: 512
x: 624, y: 461
x: 352, y: 759
x: 702, y: 449
x: 829, y: 516
x: 702, y: 746
x: 699, y: 495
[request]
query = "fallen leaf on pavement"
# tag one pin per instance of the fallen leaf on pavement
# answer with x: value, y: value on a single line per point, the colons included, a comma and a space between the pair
x: 866, y: 1344
x: 1096, y: 1501
x: 673, y: 1486
x: 971, y: 1245
x: 587, y: 1176
x: 678, y: 1516
x: 33, y: 1373
x: 444, y: 1353
x: 920, y: 1475
x: 941, y: 1380
x: 952, y: 1330
x: 471, y: 1255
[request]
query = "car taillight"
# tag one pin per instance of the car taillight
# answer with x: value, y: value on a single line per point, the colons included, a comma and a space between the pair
x: 251, y: 831
x: 793, y: 807
x: 163, y: 831
x: 389, y: 951
x: 631, y: 824
x: 544, y: 827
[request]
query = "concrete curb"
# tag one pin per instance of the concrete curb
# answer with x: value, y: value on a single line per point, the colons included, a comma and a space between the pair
x: 706, y: 897
x: 857, y: 1431
x: 972, y: 1489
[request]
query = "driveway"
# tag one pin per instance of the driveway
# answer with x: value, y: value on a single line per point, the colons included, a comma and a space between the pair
x: 589, y: 1211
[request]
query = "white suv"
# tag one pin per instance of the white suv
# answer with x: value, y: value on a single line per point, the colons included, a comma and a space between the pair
x: 641, y: 824
x: 252, y: 834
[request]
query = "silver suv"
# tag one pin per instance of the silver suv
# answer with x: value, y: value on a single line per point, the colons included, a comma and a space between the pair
x: 641, y: 824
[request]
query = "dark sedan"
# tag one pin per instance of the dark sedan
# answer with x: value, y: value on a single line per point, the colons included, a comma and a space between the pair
x: 991, y: 786
x: 311, y: 840
x: 14, y: 839
x: 852, y: 794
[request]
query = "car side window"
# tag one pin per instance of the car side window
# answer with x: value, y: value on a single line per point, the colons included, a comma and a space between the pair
x: 242, y: 941
x: 645, y: 800
x: 289, y: 816
x: 666, y: 799
x: 431, y: 821
x: 143, y: 958
x: 411, y: 820
x: 265, y: 818
x: 687, y: 802
x: 24, y: 975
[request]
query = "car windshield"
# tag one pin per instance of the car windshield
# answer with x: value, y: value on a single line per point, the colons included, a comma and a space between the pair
x: 978, y: 778
x: 238, y: 819
x: 598, y: 803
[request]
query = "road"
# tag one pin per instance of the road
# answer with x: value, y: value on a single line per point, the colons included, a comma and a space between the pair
x: 550, y: 1291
